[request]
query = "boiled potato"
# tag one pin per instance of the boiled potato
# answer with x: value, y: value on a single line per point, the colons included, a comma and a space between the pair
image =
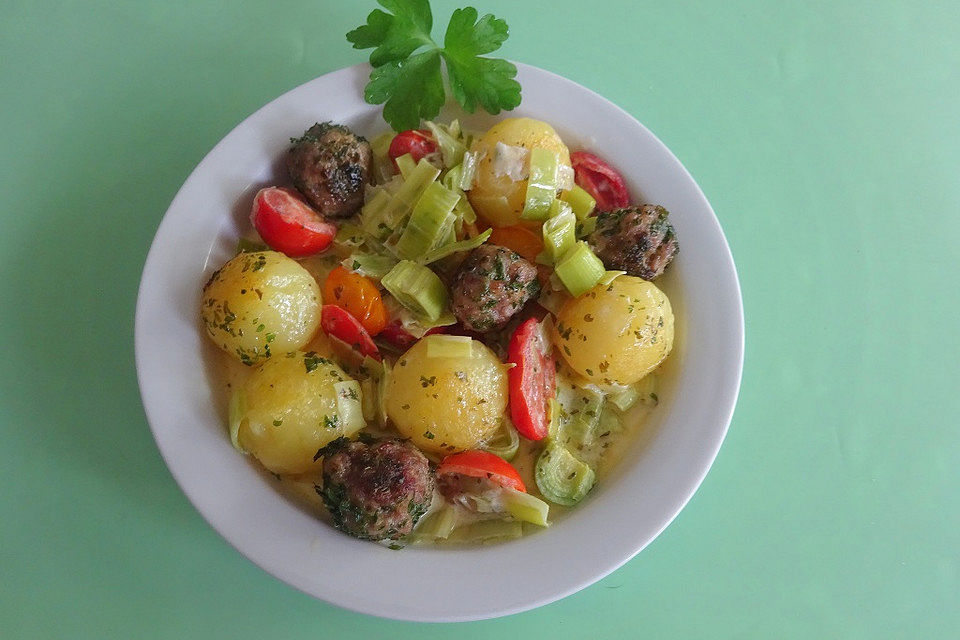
x: 260, y: 304
x: 292, y: 405
x: 499, y: 199
x: 446, y: 404
x: 616, y: 333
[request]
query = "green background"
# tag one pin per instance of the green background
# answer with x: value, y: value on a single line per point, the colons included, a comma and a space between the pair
x: 825, y: 134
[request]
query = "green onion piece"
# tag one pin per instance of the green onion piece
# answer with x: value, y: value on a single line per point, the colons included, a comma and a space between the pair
x: 469, y: 169
x: 417, y: 288
x: 487, y: 531
x: 451, y: 147
x: 372, y: 265
x: 449, y: 249
x: 586, y: 226
x: 505, y: 442
x: 430, y: 221
x: 525, y: 507
x: 579, y: 269
x: 236, y: 413
x: 349, y: 405
x: 443, y: 346
x: 249, y: 245
x: 580, y: 201
x: 406, y: 164
x: 385, y: 221
x: 541, y: 185
x: 558, y: 235
x: 561, y: 478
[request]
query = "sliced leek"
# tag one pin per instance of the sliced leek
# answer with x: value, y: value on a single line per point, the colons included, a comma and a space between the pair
x: 406, y: 164
x: 438, y: 524
x: 349, y: 405
x: 372, y: 265
x: 487, y: 531
x: 417, y: 288
x: 558, y: 235
x: 586, y: 227
x: 541, y: 185
x: 443, y: 346
x: 525, y: 507
x: 580, y: 201
x: 561, y: 478
x: 449, y: 249
x: 579, y: 269
x: 384, y: 221
x: 430, y: 222
x: 451, y: 147
x: 505, y: 442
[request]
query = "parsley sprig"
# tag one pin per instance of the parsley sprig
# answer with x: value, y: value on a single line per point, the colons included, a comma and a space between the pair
x: 407, y: 78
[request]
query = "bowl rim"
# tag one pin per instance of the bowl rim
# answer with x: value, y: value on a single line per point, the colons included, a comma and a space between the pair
x: 345, y: 598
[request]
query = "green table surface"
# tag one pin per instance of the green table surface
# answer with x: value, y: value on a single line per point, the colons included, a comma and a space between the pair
x: 825, y: 134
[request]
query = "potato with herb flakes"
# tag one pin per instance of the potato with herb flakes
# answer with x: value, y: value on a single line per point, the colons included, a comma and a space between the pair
x: 259, y: 304
x: 291, y: 406
x: 615, y: 333
x: 443, y: 401
x: 498, y: 192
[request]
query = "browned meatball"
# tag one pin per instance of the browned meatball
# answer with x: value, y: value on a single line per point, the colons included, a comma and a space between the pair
x: 638, y: 240
x: 491, y: 286
x: 330, y: 165
x: 376, y: 490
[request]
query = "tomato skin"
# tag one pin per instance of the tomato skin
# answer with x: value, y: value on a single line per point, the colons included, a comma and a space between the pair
x: 600, y: 180
x: 337, y: 322
x: 359, y: 296
x: 533, y: 381
x: 396, y: 336
x: 288, y: 224
x: 419, y: 143
x: 482, y: 464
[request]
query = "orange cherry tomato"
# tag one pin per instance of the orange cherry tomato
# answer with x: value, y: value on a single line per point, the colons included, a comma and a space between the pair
x: 357, y: 295
x: 527, y: 242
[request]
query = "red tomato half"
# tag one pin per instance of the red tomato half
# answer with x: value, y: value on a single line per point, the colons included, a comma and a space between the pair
x: 600, y: 180
x: 417, y: 142
x: 288, y: 224
x: 533, y: 381
x: 482, y: 464
x: 337, y: 322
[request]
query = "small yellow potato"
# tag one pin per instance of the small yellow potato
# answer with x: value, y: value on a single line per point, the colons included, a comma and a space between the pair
x: 446, y: 404
x: 615, y: 333
x: 499, y: 198
x: 260, y: 304
x: 291, y: 406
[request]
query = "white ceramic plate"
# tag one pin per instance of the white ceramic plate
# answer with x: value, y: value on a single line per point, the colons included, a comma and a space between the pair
x: 657, y: 476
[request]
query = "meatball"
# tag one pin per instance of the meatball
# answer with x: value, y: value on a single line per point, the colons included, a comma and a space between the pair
x: 491, y: 286
x: 375, y: 490
x: 330, y: 165
x: 638, y: 240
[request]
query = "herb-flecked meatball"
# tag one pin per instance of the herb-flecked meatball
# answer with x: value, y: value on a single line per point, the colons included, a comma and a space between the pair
x: 376, y: 490
x: 330, y: 165
x: 638, y: 240
x: 491, y: 286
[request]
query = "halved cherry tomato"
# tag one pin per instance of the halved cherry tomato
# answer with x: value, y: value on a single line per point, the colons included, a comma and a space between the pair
x: 396, y: 336
x: 533, y: 381
x: 524, y: 241
x: 358, y: 295
x: 288, y: 224
x: 600, y: 180
x: 417, y: 142
x: 337, y: 322
x: 482, y: 464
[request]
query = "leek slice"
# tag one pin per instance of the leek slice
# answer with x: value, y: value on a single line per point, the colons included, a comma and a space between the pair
x: 372, y: 213
x: 382, y: 394
x: 430, y: 222
x: 382, y: 223
x: 417, y: 288
x: 368, y: 399
x: 382, y: 167
x: 625, y: 399
x: 586, y: 226
x: 505, y: 442
x: 468, y: 172
x: 438, y: 524
x: 559, y: 235
x: 580, y: 201
x: 487, y: 531
x: 406, y: 164
x: 449, y: 249
x: 451, y: 147
x: 525, y: 507
x: 349, y: 405
x: 443, y: 346
x: 542, y: 184
x: 561, y: 478
x: 350, y: 235
x: 579, y: 269
x: 610, y: 276
x: 372, y: 265
x: 581, y: 427
x: 236, y: 412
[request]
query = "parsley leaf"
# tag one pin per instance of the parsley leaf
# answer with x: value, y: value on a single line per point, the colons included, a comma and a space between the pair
x: 473, y: 79
x: 407, y: 77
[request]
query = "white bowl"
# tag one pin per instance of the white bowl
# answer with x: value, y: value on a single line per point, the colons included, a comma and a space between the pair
x: 653, y: 481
